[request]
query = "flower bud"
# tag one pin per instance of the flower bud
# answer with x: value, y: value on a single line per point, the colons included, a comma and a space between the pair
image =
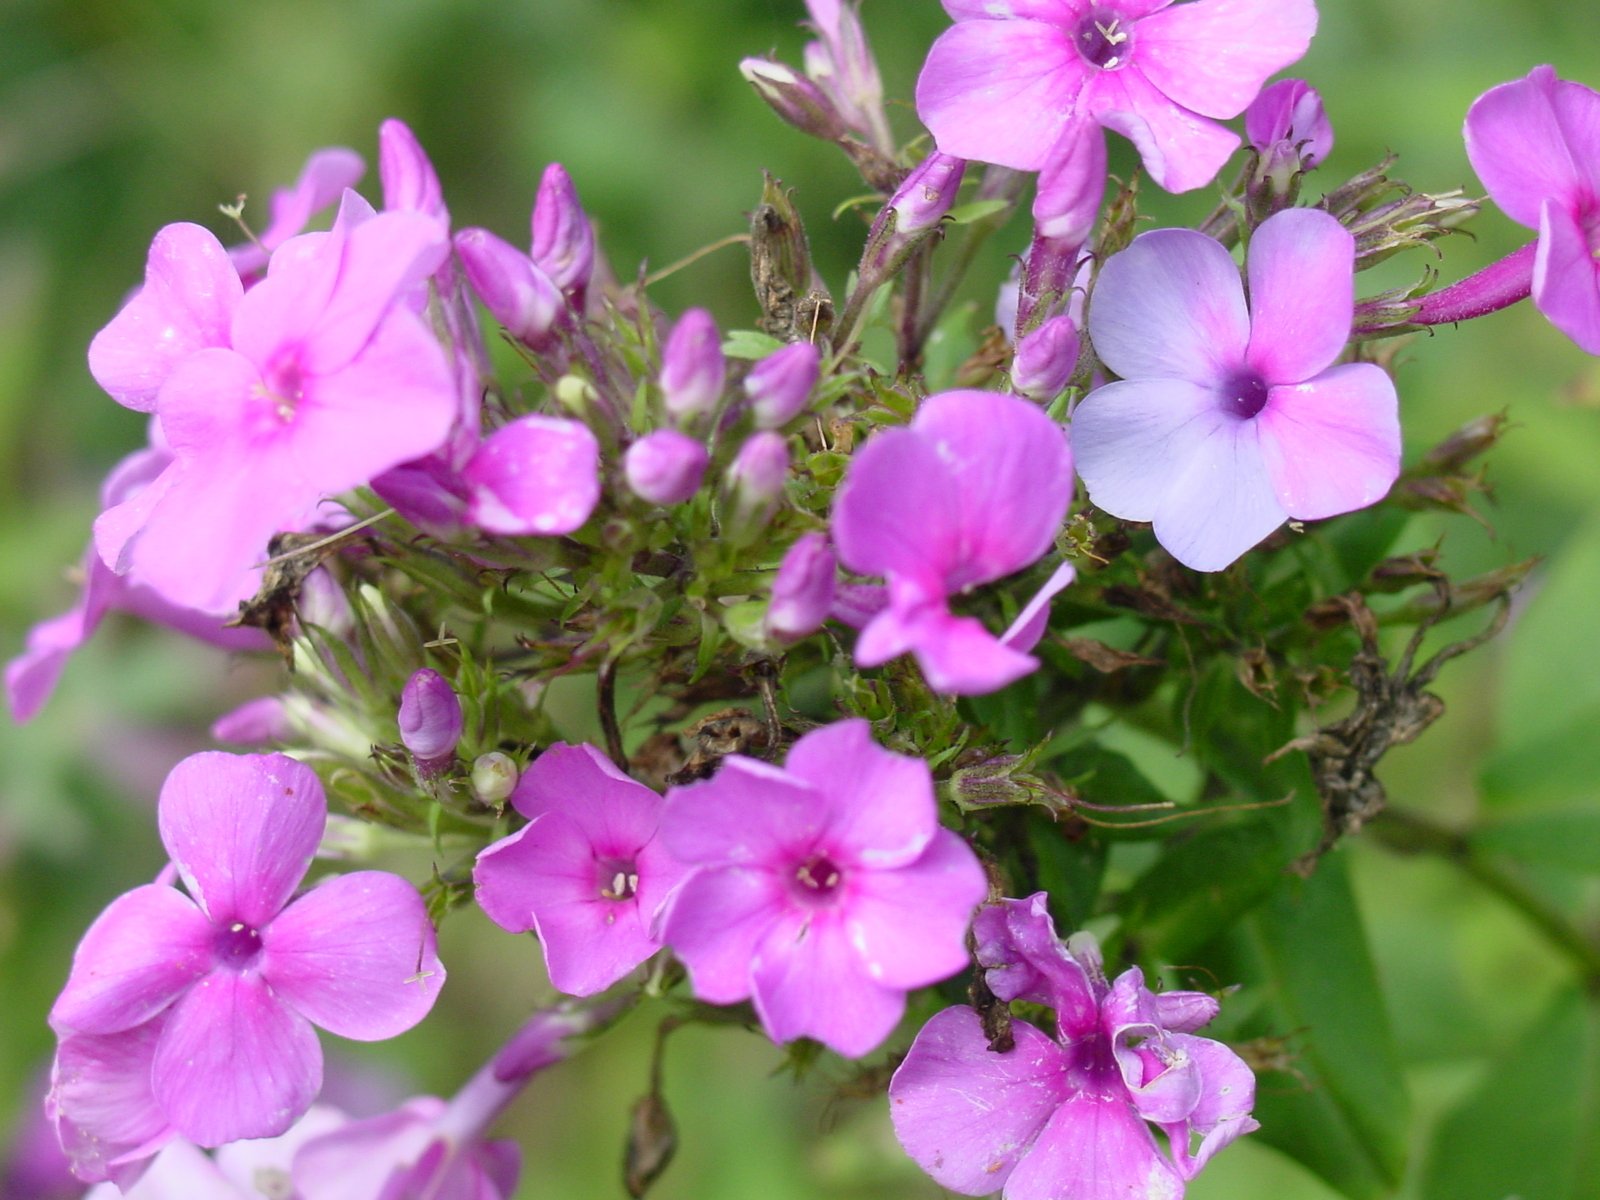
x: 517, y: 294
x: 841, y: 63
x: 802, y: 592
x: 781, y: 383
x: 430, y: 720
x: 1288, y: 126
x: 1045, y: 360
x: 494, y: 778
x: 410, y: 183
x: 563, y: 241
x: 927, y: 193
x: 795, y: 99
x: 1071, y: 187
x: 754, y: 486
x: 692, y: 366
x: 665, y: 467
x: 259, y: 722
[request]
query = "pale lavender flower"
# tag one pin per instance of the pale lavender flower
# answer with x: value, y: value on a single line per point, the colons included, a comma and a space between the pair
x: 779, y: 385
x: 587, y: 873
x: 692, y: 366
x: 1067, y: 1115
x: 327, y: 380
x: 1229, y: 418
x: 824, y: 890
x: 1017, y: 82
x: 218, y: 990
x: 665, y: 466
x: 972, y: 490
x: 535, y: 475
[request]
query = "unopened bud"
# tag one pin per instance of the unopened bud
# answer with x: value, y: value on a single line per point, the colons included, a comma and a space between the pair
x: 652, y: 1141
x: 692, y: 366
x: 802, y: 591
x: 1045, y: 360
x: 927, y: 193
x: 665, y: 467
x: 430, y: 720
x: 795, y: 99
x: 517, y: 294
x: 259, y: 722
x: 781, y: 383
x: 754, y: 484
x: 494, y: 778
x: 563, y: 241
x: 410, y: 183
x: 1291, y: 134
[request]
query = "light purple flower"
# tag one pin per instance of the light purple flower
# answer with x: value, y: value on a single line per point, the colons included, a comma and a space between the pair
x: 1231, y: 418
x: 1535, y: 144
x: 587, y: 873
x: 1067, y: 1116
x: 825, y: 889
x: 222, y: 986
x: 1018, y: 82
x: 323, y: 180
x: 407, y: 1154
x: 1045, y: 359
x: 514, y: 289
x: 563, y: 240
x: 692, y: 366
x: 326, y: 382
x: 972, y: 490
x: 1288, y: 127
x: 780, y: 384
x: 535, y: 475
x: 803, y: 589
x: 665, y: 466
x: 430, y: 720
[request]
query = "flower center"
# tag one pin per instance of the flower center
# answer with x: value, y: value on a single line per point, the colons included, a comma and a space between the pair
x: 818, y: 877
x: 1104, y: 39
x: 285, y: 386
x: 236, y: 946
x: 618, y: 878
x: 1246, y: 395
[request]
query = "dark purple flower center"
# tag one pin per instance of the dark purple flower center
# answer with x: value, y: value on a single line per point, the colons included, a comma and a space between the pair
x: 285, y: 385
x: 1104, y: 38
x: 818, y: 877
x: 236, y: 945
x: 1246, y: 395
x: 618, y: 878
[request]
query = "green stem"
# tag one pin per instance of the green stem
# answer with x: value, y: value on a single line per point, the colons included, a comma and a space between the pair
x: 1409, y: 833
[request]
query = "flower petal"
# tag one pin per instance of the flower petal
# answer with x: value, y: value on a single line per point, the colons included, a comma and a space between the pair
x: 1000, y: 91
x: 1023, y: 958
x: 536, y: 475
x: 1566, y: 278
x: 958, y: 655
x: 1094, y: 1148
x: 234, y: 1062
x: 807, y: 980
x: 1223, y: 1112
x: 242, y: 830
x: 143, y: 952
x: 1170, y: 306
x: 1132, y: 439
x: 100, y: 1100
x: 355, y: 955
x: 1332, y: 444
x: 1222, y: 501
x: 714, y: 924
x: 966, y: 1114
x: 1536, y: 139
x: 880, y: 805
x: 1301, y: 268
x: 1024, y: 632
x: 1213, y: 56
x: 896, y: 511
x: 909, y: 925
x: 618, y: 813
x: 187, y: 303
x: 748, y: 813
x: 1181, y: 149
x: 590, y: 944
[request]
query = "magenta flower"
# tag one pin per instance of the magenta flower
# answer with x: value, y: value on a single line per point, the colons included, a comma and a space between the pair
x: 430, y: 720
x: 692, y: 366
x: 1231, y: 418
x: 235, y: 973
x: 665, y: 466
x: 824, y: 889
x: 587, y: 873
x: 1067, y: 1116
x: 326, y: 382
x: 972, y: 490
x: 1018, y: 82
x: 563, y: 240
x: 1535, y: 144
x: 534, y: 475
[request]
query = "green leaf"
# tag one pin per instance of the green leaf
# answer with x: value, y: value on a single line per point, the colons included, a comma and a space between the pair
x: 1569, y: 839
x: 1528, y: 1129
x: 1554, y: 769
x: 1348, y: 1118
x: 750, y: 344
x: 976, y: 210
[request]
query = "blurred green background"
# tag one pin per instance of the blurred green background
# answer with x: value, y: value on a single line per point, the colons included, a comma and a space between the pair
x: 117, y: 116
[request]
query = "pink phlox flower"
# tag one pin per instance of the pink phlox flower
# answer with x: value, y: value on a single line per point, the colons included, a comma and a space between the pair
x: 1020, y: 82
x: 1535, y: 144
x: 534, y: 475
x: 587, y: 873
x: 31, y: 677
x: 327, y: 175
x: 407, y: 1154
x: 824, y: 889
x: 236, y: 972
x: 326, y: 382
x: 1068, y: 1115
x: 974, y: 489
x: 1231, y: 418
